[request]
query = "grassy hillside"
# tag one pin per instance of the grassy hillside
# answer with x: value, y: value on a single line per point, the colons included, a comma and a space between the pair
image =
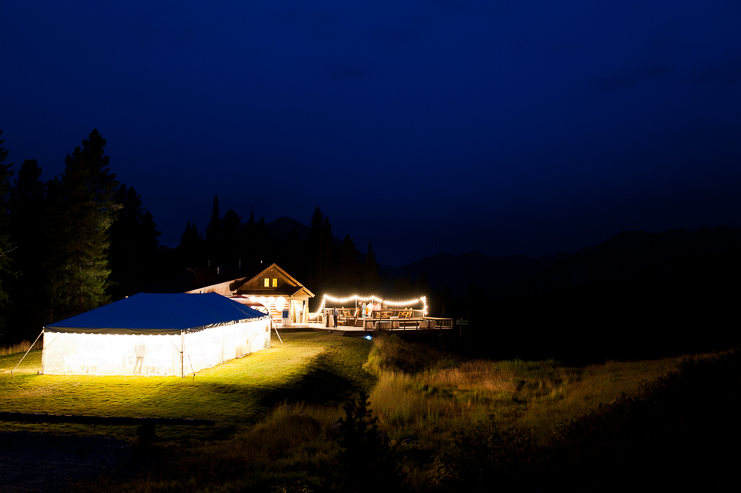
x: 308, y: 367
x: 434, y: 422
x: 424, y: 392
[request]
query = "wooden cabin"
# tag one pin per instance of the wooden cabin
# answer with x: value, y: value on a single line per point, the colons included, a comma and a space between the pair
x: 271, y: 287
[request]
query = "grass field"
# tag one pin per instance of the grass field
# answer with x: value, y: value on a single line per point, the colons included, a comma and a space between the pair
x: 276, y: 413
x: 312, y: 368
x: 425, y: 393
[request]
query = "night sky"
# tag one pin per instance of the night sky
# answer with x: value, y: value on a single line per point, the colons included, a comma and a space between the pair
x: 522, y: 127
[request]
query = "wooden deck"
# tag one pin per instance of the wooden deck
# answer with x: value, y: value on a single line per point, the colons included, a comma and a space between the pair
x: 375, y: 325
x: 369, y: 326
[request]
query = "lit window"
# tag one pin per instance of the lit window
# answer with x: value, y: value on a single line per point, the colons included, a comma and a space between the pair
x: 267, y: 282
x: 275, y: 282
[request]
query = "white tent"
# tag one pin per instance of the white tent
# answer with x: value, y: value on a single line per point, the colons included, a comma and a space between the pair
x: 154, y: 334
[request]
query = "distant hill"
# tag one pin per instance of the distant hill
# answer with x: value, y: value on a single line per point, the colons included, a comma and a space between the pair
x: 623, y: 256
x: 498, y: 276
x: 630, y: 253
x: 282, y: 227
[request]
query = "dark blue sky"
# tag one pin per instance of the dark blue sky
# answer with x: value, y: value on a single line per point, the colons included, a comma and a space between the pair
x: 431, y: 125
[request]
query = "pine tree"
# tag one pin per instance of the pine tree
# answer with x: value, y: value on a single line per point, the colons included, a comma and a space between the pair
x: 29, y: 232
x: 262, y: 241
x: 6, y: 246
x: 348, y: 271
x: 213, y: 234
x: 191, y: 247
x: 327, y: 250
x: 403, y: 288
x: 422, y: 285
x: 315, y: 241
x: 133, y: 251
x: 232, y: 233
x: 371, y: 278
x: 248, y: 250
x: 213, y: 230
x: 84, y: 213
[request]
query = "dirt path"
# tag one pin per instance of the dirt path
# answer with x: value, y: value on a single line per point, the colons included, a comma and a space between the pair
x: 37, y: 462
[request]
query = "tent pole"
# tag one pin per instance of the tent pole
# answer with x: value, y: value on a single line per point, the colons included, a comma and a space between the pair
x: 24, y: 356
x: 182, y: 350
x: 276, y: 332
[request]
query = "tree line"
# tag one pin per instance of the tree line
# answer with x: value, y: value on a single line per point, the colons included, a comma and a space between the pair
x: 82, y: 239
x: 69, y: 244
x: 318, y: 260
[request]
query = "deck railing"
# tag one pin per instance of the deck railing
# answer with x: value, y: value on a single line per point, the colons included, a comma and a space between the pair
x: 418, y: 323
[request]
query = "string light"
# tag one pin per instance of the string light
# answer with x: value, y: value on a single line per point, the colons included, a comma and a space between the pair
x: 374, y: 299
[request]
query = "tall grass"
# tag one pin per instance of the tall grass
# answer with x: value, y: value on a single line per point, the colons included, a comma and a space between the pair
x: 441, y: 414
x: 20, y: 347
x: 289, y: 450
x: 423, y: 393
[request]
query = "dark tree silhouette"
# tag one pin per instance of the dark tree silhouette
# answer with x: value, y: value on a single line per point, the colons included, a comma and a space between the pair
x: 133, y: 252
x: 403, y: 288
x: 5, y: 241
x: 348, y: 271
x: 190, y: 251
x: 29, y: 232
x: 213, y: 234
x: 232, y: 237
x: 314, y: 245
x: 262, y: 241
x: 371, y: 277
x: 326, y: 248
x: 83, y: 213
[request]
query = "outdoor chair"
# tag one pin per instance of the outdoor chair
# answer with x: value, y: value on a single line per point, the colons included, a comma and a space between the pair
x: 70, y: 363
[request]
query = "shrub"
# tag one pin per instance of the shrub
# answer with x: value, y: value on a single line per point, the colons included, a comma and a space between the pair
x: 365, y: 457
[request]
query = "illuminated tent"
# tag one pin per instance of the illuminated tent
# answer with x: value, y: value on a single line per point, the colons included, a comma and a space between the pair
x: 154, y: 334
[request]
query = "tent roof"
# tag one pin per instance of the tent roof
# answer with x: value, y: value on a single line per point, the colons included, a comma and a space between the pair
x: 147, y: 313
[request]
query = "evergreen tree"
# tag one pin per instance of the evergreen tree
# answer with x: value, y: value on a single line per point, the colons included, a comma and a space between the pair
x: 83, y: 214
x: 6, y: 246
x: 317, y: 219
x: 294, y: 254
x: 371, y: 277
x: 56, y: 256
x: 443, y: 303
x: 232, y: 233
x: 422, y: 286
x: 403, y: 289
x: 213, y: 234
x: 133, y: 252
x: 213, y: 230
x: 29, y: 232
x: 262, y: 241
x: 248, y: 250
x: 327, y: 251
x: 348, y: 272
x: 190, y: 249
x: 315, y: 242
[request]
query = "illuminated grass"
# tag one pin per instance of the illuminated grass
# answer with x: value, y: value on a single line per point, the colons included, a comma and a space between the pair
x: 443, y: 395
x: 309, y: 367
x: 423, y: 411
